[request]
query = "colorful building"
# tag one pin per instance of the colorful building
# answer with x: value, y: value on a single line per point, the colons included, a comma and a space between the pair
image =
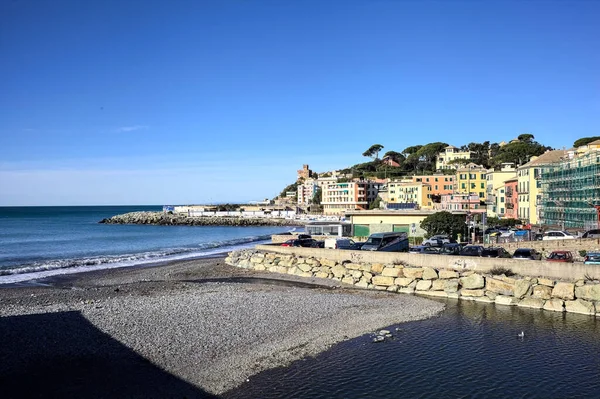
x: 451, y: 153
x: 471, y: 179
x: 468, y: 203
x: 440, y: 184
x: 495, y: 187
x: 407, y: 194
x: 339, y: 198
x: 530, y: 185
x: 306, y: 192
x: 511, y: 198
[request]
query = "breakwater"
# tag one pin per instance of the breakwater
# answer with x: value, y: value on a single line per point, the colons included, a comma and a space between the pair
x: 579, y: 296
x: 168, y: 219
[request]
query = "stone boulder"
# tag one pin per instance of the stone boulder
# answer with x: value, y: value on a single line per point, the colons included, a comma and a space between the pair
x: 564, y: 291
x: 499, y: 286
x: 591, y: 292
x: 580, y: 306
x: 472, y: 282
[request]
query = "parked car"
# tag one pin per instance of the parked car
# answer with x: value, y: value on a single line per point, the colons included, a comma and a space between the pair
x: 592, y: 258
x: 437, y: 240
x: 451, y: 249
x: 357, y: 246
x: 388, y: 242
x: 303, y: 236
x: 416, y: 249
x: 318, y: 244
x: 557, y: 235
x: 527, y: 253
x: 339, y: 243
x: 495, y: 252
x: 560, y: 256
x: 591, y: 234
x: 471, y: 250
x: 426, y: 250
x: 304, y: 242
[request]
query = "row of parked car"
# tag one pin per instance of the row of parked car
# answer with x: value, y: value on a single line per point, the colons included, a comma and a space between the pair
x: 436, y: 245
x: 592, y: 258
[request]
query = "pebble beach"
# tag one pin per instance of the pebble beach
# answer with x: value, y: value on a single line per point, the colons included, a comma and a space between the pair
x: 193, y: 328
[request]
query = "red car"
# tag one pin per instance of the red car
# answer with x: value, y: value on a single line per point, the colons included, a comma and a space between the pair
x: 560, y: 256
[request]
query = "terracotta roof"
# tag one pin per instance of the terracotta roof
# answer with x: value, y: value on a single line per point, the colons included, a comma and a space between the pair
x: 546, y: 158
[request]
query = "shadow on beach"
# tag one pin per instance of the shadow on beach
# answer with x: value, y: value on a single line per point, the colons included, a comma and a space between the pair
x: 63, y: 355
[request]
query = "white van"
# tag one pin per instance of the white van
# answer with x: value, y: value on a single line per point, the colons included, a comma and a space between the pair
x: 338, y: 243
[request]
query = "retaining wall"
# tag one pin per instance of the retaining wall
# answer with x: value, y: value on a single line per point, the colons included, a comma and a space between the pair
x: 533, y: 268
x: 466, y: 280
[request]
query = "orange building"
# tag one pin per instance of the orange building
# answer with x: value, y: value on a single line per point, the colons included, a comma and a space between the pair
x: 440, y: 184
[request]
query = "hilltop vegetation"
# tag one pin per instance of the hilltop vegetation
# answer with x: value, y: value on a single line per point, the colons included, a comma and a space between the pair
x: 420, y: 159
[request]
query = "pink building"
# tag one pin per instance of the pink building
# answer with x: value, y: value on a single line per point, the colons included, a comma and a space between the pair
x: 511, y: 198
x: 461, y: 203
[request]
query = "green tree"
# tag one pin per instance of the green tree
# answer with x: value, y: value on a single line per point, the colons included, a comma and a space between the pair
x: 291, y: 187
x: 318, y: 196
x: 526, y: 137
x: 585, y: 141
x: 444, y: 223
x: 396, y: 156
x: 375, y: 204
x: 373, y: 151
x: 480, y: 153
x: 427, y: 155
x: 518, y: 152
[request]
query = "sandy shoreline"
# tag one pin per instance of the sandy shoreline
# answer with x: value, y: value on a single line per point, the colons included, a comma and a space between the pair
x: 189, y: 328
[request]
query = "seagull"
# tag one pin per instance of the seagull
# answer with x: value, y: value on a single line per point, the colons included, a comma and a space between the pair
x: 521, y: 334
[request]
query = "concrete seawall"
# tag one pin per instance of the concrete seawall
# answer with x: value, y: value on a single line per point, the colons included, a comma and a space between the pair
x: 536, y: 284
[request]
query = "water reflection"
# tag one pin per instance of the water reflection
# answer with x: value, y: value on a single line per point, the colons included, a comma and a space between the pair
x: 471, y: 350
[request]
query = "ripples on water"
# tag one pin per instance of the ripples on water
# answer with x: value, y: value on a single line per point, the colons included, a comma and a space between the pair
x: 471, y: 350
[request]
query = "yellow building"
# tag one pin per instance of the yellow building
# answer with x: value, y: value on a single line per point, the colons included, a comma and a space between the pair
x: 451, y: 153
x: 471, y: 179
x: 529, y: 187
x: 408, y: 192
x: 495, y: 188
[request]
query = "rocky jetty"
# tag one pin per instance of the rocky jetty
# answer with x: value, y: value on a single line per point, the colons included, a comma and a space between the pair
x: 168, y: 219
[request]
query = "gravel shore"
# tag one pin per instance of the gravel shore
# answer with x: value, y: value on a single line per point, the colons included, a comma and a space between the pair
x: 188, y: 329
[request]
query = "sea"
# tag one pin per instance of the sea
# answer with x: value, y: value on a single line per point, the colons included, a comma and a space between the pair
x: 470, y: 350
x: 38, y: 242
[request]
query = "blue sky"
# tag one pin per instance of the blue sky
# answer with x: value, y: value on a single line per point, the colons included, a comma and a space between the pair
x: 172, y: 102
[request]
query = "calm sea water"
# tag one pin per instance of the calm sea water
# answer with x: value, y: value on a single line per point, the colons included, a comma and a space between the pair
x: 471, y: 350
x: 38, y: 242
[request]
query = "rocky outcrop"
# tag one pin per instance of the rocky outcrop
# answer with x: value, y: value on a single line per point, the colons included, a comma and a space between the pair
x: 582, y: 296
x: 168, y: 219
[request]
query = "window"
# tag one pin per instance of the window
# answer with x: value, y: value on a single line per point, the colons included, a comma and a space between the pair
x: 463, y: 185
x: 482, y: 185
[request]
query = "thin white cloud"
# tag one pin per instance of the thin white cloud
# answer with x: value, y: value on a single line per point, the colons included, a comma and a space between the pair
x: 133, y: 128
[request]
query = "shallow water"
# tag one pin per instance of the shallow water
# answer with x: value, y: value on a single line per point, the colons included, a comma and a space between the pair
x: 471, y: 350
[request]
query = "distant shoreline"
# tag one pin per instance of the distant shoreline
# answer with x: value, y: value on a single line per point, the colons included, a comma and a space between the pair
x: 169, y: 219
